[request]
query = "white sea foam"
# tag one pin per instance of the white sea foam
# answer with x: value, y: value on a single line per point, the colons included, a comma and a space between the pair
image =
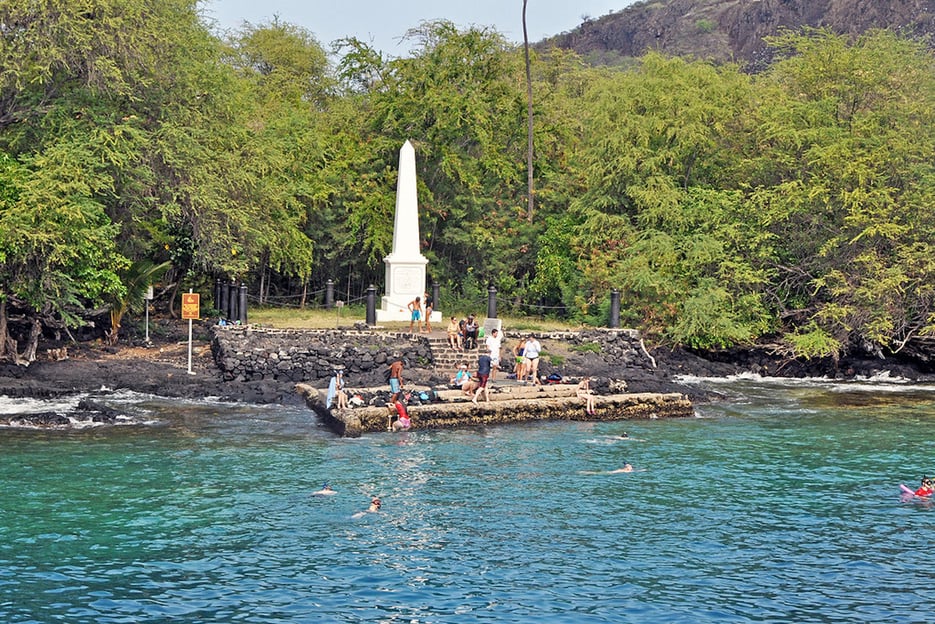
x: 882, y: 382
x: 10, y: 405
x: 67, y: 406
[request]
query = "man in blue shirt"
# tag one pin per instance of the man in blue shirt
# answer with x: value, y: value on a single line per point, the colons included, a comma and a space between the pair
x: 483, y: 374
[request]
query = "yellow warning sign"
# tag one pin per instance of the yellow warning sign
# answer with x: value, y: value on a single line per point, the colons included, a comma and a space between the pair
x: 191, y: 305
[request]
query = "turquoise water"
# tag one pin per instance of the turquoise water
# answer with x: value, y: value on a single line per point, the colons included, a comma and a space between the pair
x: 780, y: 504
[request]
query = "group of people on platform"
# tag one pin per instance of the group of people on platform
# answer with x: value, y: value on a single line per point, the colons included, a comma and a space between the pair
x: 526, y: 354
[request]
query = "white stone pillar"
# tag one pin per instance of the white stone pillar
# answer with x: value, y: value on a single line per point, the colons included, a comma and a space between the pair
x: 405, y: 266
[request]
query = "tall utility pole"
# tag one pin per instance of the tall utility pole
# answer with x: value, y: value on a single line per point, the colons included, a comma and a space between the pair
x: 530, y: 206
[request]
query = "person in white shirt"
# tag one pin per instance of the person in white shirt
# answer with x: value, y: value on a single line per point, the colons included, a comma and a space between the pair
x: 531, y: 358
x: 493, y: 345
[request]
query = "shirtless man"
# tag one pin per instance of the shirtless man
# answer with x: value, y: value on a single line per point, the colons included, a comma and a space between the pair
x: 396, y: 378
x: 415, y: 308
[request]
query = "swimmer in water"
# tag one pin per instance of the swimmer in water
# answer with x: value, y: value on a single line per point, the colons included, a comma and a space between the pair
x: 326, y: 490
x: 625, y: 436
x: 375, y: 505
x: 927, y: 488
x: 627, y: 467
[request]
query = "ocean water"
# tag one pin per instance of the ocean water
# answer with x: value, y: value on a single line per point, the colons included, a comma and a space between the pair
x: 778, y: 504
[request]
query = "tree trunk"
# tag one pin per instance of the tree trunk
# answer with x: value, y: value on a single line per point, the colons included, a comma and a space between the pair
x: 4, y: 337
x: 531, y: 190
x: 32, y: 343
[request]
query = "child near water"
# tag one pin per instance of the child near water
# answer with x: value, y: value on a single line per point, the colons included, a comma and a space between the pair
x: 927, y: 488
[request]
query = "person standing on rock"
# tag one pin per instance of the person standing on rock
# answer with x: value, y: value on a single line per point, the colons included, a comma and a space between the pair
x: 518, y: 351
x: 531, y: 358
x: 396, y: 378
x: 429, y: 305
x: 483, y: 374
x: 415, y: 309
x: 493, y: 342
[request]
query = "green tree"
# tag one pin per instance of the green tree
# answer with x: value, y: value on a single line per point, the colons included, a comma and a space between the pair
x: 659, y: 219
x: 841, y: 176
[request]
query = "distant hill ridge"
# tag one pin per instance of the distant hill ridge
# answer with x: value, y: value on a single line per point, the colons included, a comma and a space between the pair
x: 733, y: 30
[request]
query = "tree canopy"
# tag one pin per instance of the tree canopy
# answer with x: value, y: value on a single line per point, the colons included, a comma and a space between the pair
x: 790, y: 205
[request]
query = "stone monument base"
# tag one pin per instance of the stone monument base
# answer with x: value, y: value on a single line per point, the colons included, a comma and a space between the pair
x: 396, y: 314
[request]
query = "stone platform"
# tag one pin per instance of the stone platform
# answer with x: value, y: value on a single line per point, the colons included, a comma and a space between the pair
x: 508, y: 404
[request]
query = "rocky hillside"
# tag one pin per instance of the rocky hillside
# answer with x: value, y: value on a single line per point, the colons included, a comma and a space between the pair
x: 732, y: 30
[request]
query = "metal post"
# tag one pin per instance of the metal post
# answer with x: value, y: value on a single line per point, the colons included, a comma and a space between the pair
x: 435, y: 304
x: 146, y: 300
x: 242, y: 308
x: 233, y: 292
x: 190, y: 371
x: 491, y: 302
x: 217, y: 294
x: 615, y: 308
x: 224, y: 307
x: 329, y: 294
x: 371, y: 305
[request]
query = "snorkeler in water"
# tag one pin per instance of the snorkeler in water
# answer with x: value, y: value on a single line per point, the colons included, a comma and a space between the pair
x: 375, y: 504
x: 326, y: 490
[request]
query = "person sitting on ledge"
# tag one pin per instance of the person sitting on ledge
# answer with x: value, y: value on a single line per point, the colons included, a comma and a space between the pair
x: 337, y: 396
x: 584, y: 392
x: 462, y: 378
x: 454, y: 335
x: 471, y: 329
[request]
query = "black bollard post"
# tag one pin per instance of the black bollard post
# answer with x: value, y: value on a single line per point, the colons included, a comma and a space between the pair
x: 615, y: 308
x: 435, y: 304
x: 491, y: 302
x: 329, y: 294
x: 224, y: 305
x: 243, y: 304
x: 232, y: 297
x: 371, y: 305
x: 217, y: 293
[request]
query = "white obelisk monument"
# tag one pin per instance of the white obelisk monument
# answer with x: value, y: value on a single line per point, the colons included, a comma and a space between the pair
x: 405, y: 266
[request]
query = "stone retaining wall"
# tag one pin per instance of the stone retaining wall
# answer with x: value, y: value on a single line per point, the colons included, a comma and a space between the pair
x: 252, y: 353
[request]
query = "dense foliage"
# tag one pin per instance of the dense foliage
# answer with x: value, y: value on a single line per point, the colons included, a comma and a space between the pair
x: 725, y: 207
